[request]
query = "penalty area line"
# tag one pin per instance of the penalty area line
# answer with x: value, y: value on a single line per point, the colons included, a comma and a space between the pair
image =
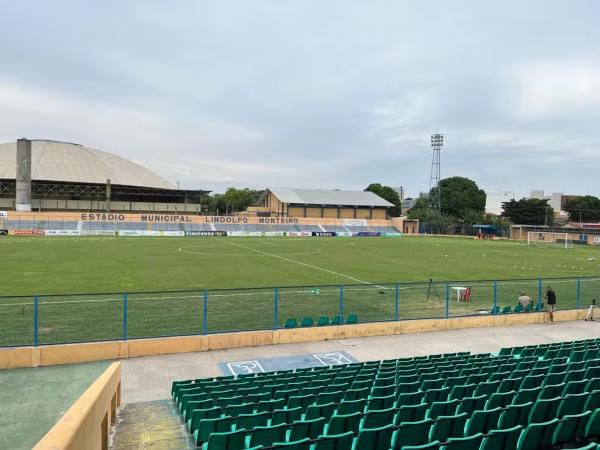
x: 294, y: 261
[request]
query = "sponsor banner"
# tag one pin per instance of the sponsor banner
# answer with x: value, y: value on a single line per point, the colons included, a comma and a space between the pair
x: 98, y: 233
x: 26, y: 232
x: 393, y: 234
x: 367, y: 234
x: 62, y: 233
x: 3, y: 215
x: 274, y: 233
x: 237, y: 233
x: 344, y: 234
x: 255, y: 233
x: 355, y: 223
x: 150, y: 233
x: 324, y: 233
x: 3, y: 232
x: 299, y: 233
x: 206, y: 233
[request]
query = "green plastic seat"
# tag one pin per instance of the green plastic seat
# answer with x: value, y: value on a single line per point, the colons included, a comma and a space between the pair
x: 340, y: 424
x: 199, y: 414
x: 537, y: 435
x: 544, y: 410
x: 514, y: 415
x: 592, y: 429
x: 495, y: 310
x: 270, y: 405
x: 307, y: 428
x: 551, y: 391
x: 507, y: 310
x: 377, y: 403
x: 435, y: 395
x: 472, y: 442
x: 501, y: 439
x: 357, y: 394
x: 447, y: 408
x: 251, y: 421
x: 289, y: 415
x: 236, y: 410
x: 232, y: 440
x: 431, y: 446
x: 539, y: 306
x: 265, y: 436
x: 323, y: 410
x: 337, y: 320
x: 445, y: 427
x: 411, y: 413
x: 206, y: 427
x: 379, y: 418
x: 572, y: 404
x: 571, y: 428
x: 323, y: 320
x: 462, y: 390
x: 518, y: 308
x: 351, y: 406
x: 482, y: 420
x: 526, y: 395
x: 335, y: 442
x: 291, y: 323
x: 330, y: 397
x: 529, y: 308
x: 374, y: 438
x: 301, y: 444
x: 470, y: 404
x: 593, y: 401
x: 500, y: 399
x: 307, y: 322
x: 412, y: 433
x: 352, y: 319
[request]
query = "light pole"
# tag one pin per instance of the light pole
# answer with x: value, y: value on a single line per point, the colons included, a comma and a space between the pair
x: 435, y: 196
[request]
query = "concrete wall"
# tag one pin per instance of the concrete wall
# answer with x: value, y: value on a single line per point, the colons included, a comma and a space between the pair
x: 86, y: 424
x: 11, y: 358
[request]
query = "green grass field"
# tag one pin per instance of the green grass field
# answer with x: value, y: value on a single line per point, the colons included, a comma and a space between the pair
x: 368, y: 268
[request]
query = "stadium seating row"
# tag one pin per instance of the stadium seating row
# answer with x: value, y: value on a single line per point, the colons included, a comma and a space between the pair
x: 323, y: 321
x: 525, y: 397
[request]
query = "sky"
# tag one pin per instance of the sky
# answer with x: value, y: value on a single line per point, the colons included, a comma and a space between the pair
x: 314, y: 94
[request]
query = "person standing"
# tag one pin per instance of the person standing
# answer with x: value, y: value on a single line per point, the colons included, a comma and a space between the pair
x: 551, y: 300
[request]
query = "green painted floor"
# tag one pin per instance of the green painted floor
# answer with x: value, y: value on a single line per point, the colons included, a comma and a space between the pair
x: 32, y: 400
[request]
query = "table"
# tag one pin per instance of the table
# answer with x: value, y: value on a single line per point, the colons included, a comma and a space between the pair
x: 459, y: 291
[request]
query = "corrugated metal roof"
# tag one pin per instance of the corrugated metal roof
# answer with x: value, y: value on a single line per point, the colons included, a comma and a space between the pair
x: 328, y: 197
x: 74, y: 163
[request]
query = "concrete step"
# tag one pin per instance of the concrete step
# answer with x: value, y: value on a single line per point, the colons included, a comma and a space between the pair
x: 153, y: 425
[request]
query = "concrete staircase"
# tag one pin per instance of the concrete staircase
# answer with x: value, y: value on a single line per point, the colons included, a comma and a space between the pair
x: 153, y: 425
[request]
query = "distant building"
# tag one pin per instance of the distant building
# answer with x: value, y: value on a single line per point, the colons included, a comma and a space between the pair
x: 333, y: 204
x: 400, y: 191
x: 557, y: 201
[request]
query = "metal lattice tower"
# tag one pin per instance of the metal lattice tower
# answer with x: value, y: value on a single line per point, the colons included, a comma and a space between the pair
x: 435, y: 199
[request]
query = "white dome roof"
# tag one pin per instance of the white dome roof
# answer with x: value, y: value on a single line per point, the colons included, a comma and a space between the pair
x: 74, y: 163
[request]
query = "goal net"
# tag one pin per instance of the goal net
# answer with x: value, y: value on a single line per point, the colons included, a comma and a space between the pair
x: 547, y: 238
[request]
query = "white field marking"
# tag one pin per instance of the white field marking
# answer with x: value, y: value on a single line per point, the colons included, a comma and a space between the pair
x: 267, y: 292
x: 283, y: 258
x: 185, y: 250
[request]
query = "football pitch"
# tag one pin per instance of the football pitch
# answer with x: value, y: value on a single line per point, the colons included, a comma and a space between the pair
x: 382, y: 278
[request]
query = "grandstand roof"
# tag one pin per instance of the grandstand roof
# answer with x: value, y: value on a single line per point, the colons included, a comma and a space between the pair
x: 328, y: 197
x: 74, y: 163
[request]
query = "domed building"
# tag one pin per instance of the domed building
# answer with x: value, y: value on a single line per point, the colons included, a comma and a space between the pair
x: 71, y: 177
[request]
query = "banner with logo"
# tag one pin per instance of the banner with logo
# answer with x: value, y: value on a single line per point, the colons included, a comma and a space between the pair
x: 344, y: 234
x: 299, y: 233
x: 26, y: 232
x: 206, y: 233
x: 324, y: 233
x: 274, y: 233
x: 3, y: 215
x: 237, y: 233
x: 367, y: 234
x: 392, y: 234
x: 62, y: 233
x: 98, y: 233
x: 3, y: 232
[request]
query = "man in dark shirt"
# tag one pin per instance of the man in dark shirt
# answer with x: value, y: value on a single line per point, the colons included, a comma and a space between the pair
x: 551, y: 299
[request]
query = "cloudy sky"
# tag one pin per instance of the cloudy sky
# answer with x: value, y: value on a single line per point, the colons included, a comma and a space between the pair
x: 327, y: 94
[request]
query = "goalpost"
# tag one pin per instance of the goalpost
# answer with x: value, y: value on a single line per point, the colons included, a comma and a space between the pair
x: 549, y: 238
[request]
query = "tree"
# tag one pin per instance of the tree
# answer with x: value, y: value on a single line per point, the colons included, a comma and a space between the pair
x: 461, y: 199
x: 389, y: 194
x: 585, y: 209
x: 233, y: 200
x: 421, y: 209
x: 528, y: 211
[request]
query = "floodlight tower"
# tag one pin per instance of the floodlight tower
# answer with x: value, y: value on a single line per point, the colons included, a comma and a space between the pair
x: 435, y: 197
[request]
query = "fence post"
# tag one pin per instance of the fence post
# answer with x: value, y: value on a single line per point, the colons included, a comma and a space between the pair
x: 342, y: 303
x: 447, y: 300
x: 124, y: 317
x: 276, y: 310
x: 205, y: 313
x: 539, y: 302
x: 495, y: 296
x: 578, y: 294
x: 36, y: 339
x: 396, y: 298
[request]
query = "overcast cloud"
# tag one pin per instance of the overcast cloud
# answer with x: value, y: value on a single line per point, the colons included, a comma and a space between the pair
x: 323, y: 94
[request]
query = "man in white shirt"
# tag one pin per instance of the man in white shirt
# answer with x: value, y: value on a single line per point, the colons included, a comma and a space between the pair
x: 524, y: 299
